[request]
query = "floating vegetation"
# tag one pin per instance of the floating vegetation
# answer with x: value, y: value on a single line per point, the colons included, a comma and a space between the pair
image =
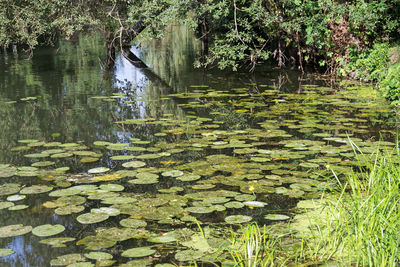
x: 237, y: 156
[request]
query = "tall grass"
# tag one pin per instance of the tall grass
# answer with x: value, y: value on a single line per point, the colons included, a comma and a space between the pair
x: 253, y: 248
x: 365, y: 230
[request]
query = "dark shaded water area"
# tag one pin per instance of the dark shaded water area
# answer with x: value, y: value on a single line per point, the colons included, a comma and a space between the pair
x: 213, y: 147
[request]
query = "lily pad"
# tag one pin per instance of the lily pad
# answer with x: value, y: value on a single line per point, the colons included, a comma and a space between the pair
x: 98, y: 170
x: 134, y: 164
x: 5, y: 205
x: 68, y: 259
x: 67, y: 210
x: 138, y: 252
x: 112, y: 187
x: 132, y: 223
x: 14, y: 230
x: 106, y: 210
x: 98, y: 256
x: 16, y: 197
x: 236, y: 219
x: 5, y: 252
x: 276, y: 217
x: 48, y: 230
x: 18, y: 207
x: 200, y: 210
x: 165, y: 238
x: 89, y: 218
x: 57, y: 242
x: 172, y: 173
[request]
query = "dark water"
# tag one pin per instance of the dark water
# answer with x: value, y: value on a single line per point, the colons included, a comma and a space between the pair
x: 64, y: 79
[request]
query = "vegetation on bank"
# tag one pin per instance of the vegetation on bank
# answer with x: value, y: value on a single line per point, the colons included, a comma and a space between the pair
x: 320, y: 32
x: 358, y: 227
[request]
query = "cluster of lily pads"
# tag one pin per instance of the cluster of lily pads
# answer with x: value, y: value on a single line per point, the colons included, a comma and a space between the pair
x: 203, y: 169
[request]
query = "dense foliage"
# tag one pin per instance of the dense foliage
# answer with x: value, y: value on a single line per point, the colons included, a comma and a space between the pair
x: 322, y: 32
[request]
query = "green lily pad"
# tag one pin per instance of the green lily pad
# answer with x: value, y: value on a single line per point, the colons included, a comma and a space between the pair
x: 165, y: 238
x: 67, y: 210
x: 36, y: 189
x: 5, y: 205
x: 48, y: 230
x: 43, y: 163
x: 98, y: 170
x: 36, y: 155
x: 14, y: 230
x: 255, y: 204
x: 122, y: 157
x: 138, y: 252
x: 276, y: 217
x: 9, y: 189
x: 200, y: 210
x: 16, y: 197
x: 5, y: 252
x: 134, y: 164
x: 88, y: 159
x: 18, y: 207
x: 236, y: 219
x: 98, y: 256
x: 172, y: 173
x: 132, y: 223
x: 68, y: 259
x: 61, y: 155
x: 89, y: 218
x: 57, y: 242
x: 112, y: 187
x: 234, y: 205
x: 189, y: 177
x: 106, y: 210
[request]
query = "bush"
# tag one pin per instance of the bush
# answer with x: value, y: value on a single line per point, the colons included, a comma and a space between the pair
x: 390, y: 84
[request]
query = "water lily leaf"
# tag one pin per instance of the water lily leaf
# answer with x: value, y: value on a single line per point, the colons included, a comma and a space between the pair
x: 48, y: 230
x: 236, y: 219
x: 28, y: 141
x: 15, y: 197
x: 108, y: 177
x: 189, y: 177
x: 172, y: 173
x: 138, y: 252
x: 98, y: 170
x: 14, y: 230
x: 132, y: 223
x: 81, y: 264
x: 106, y: 210
x: 98, y: 256
x: 89, y: 218
x: 88, y: 159
x: 122, y: 157
x: 5, y: 252
x: 188, y: 255
x: 67, y: 210
x: 112, y: 187
x: 9, y: 189
x: 146, y: 176
x: 200, y: 209
x: 276, y: 217
x: 57, y: 242
x: 5, y: 205
x: 61, y: 155
x: 234, y: 205
x: 43, y: 163
x: 134, y: 164
x: 255, y: 204
x: 71, y: 200
x: 18, y: 207
x: 101, y: 143
x: 165, y: 238
x: 68, y: 259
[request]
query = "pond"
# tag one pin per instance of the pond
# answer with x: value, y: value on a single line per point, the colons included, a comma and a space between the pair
x: 123, y: 167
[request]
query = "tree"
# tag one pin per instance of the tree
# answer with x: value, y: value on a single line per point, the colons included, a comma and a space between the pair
x: 234, y: 32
